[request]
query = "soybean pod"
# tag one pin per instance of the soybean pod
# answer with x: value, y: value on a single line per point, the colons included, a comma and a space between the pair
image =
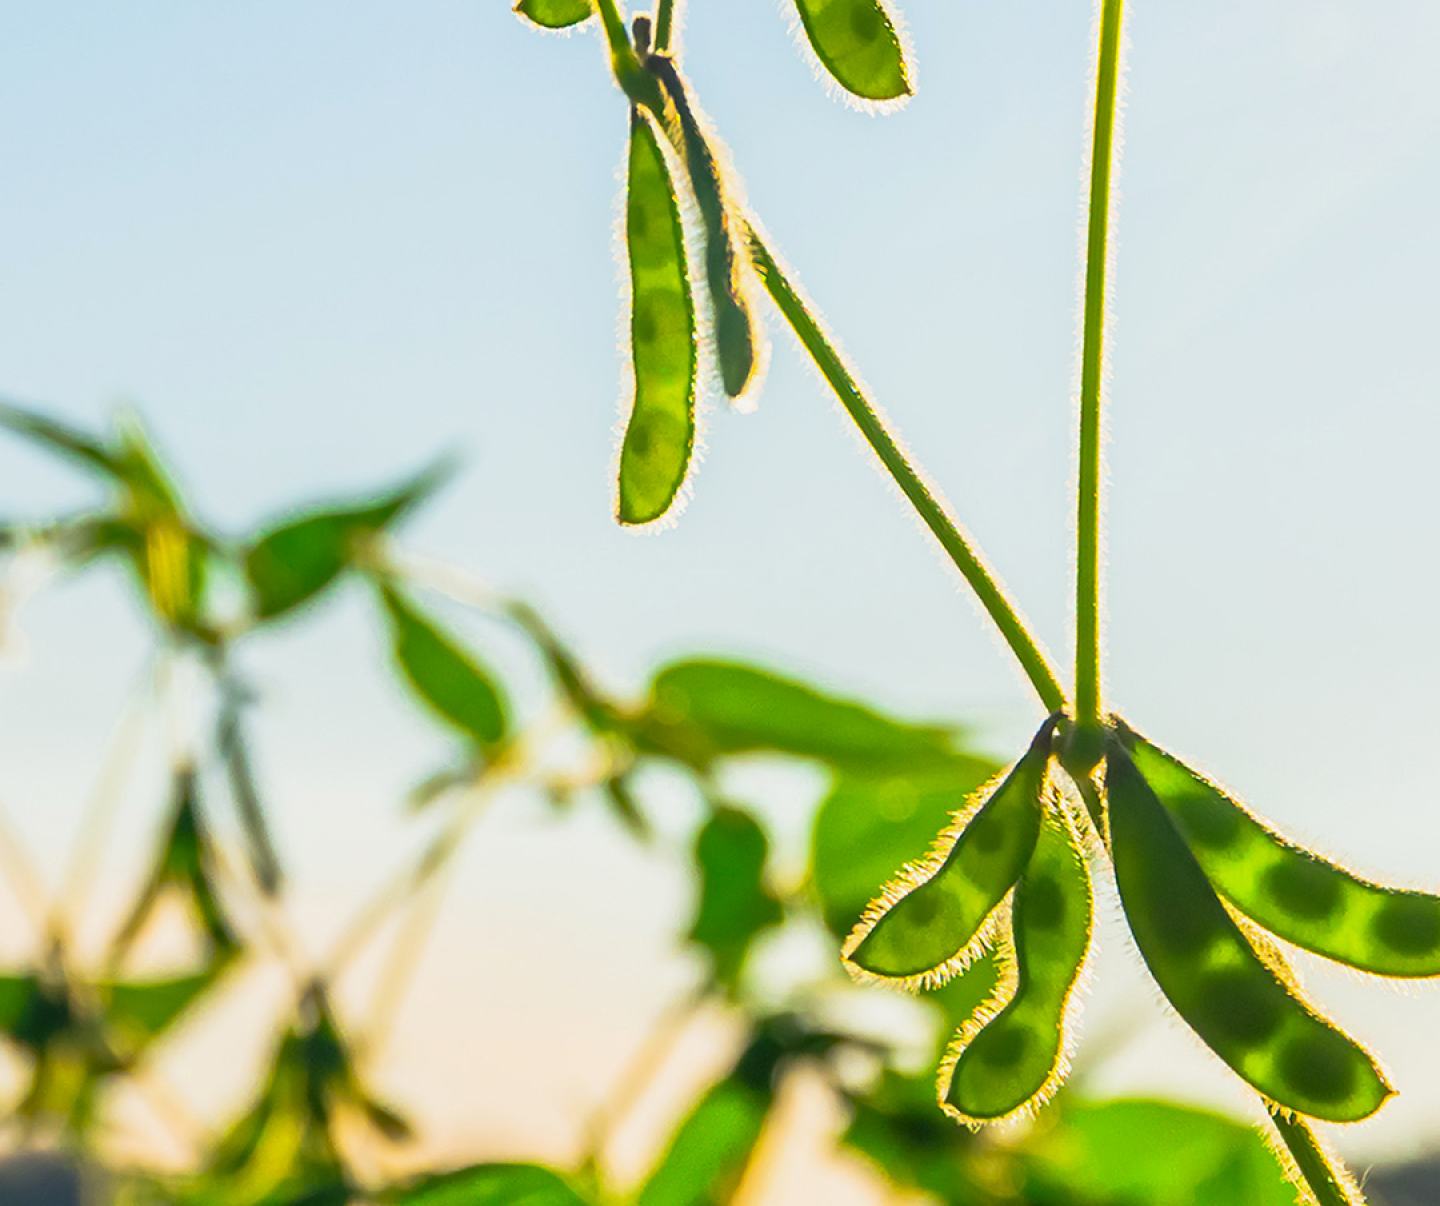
x: 660, y: 433
x: 936, y: 916
x: 1246, y: 1008
x: 1293, y: 893
x: 737, y: 338
x: 1012, y: 1061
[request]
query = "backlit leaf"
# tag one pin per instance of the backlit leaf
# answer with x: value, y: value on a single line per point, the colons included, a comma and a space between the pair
x: 703, y: 709
x: 857, y: 42
x: 555, y: 14
x: 292, y: 562
x: 735, y: 905
x: 445, y: 676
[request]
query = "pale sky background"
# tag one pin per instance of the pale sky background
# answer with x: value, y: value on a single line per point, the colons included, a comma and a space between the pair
x: 316, y: 243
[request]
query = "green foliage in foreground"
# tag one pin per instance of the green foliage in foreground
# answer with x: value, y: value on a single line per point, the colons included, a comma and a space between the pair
x: 315, y: 1122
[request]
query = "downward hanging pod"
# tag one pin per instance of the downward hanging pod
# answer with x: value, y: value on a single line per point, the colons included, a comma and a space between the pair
x: 660, y: 433
x: 1296, y: 895
x: 1012, y: 1061
x: 1245, y: 1007
x: 932, y: 920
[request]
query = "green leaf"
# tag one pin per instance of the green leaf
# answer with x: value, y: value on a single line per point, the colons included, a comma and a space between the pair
x: 446, y: 677
x: 866, y: 827
x: 660, y: 433
x: 703, y: 709
x: 707, y: 1155
x: 599, y: 714
x: 1152, y: 1153
x: 555, y: 14
x: 1014, y: 1060
x: 488, y: 1185
x: 735, y: 906
x: 1297, y: 895
x: 737, y: 335
x: 183, y: 864
x: 857, y: 43
x: 138, y: 1011
x: 294, y: 561
x: 932, y: 920
x: 62, y: 439
x: 1243, y: 1006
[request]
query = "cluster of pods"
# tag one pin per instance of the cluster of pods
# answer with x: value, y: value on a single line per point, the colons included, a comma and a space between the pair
x: 857, y: 44
x: 1205, y: 887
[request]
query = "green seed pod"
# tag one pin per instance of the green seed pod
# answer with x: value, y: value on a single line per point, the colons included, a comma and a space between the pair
x: 857, y: 42
x: 938, y: 914
x: 1293, y: 893
x: 1244, y: 1005
x: 737, y: 336
x: 1004, y: 1063
x: 555, y: 14
x: 660, y: 434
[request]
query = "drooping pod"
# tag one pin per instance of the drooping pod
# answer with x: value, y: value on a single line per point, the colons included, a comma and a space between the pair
x: 1244, y: 1006
x: 858, y: 44
x: 736, y: 332
x: 1007, y: 1062
x: 660, y: 433
x: 937, y: 915
x: 1293, y: 893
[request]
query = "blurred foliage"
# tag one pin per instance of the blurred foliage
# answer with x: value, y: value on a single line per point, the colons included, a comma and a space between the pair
x: 890, y: 783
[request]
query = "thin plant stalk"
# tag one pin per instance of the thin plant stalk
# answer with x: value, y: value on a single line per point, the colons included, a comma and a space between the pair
x: 1323, y: 1175
x: 1092, y: 368
x: 931, y: 509
x: 664, y: 25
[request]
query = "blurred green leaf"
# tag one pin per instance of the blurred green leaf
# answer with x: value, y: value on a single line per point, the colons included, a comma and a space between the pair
x: 137, y: 1012
x: 735, y: 905
x: 62, y: 439
x: 488, y: 1185
x: 857, y: 43
x: 867, y: 827
x: 292, y: 562
x: 183, y: 864
x: 704, y: 708
x: 897, y: 1125
x: 599, y: 714
x: 707, y: 1155
x: 448, y: 678
x: 1152, y: 1153
x: 555, y: 14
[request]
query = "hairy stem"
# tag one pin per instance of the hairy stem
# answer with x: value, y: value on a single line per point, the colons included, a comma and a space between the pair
x: 1324, y: 1176
x: 664, y: 25
x: 1092, y: 370
x: 931, y: 509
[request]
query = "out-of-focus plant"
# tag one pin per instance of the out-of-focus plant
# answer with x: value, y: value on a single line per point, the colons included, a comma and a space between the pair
x: 1205, y: 885
x: 86, y: 1026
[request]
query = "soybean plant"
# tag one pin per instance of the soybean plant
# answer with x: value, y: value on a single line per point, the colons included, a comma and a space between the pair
x: 1203, y: 883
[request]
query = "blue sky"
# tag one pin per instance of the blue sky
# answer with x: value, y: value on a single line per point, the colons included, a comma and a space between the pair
x: 317, y: 243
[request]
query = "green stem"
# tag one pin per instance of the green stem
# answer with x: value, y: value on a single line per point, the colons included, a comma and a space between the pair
x: 638, y: 84
x: 1324, y: 1176
x: 1092, y: 369
x: 664, y: 25
x: 928, y: 506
